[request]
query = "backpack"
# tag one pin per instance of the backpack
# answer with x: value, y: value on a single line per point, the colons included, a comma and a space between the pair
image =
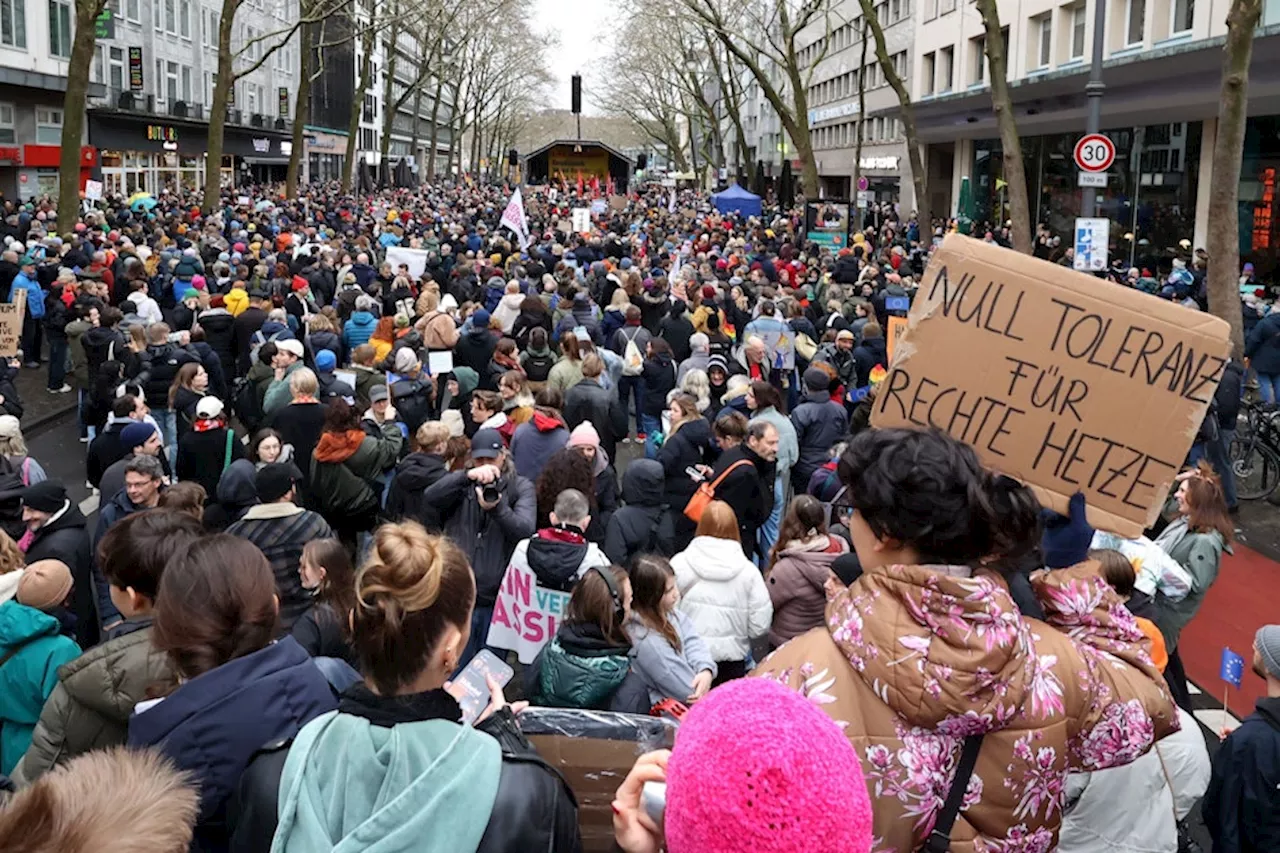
x: 537, y: 366
x: 11, y: 489
x: 247, y: 405
x: 256, y: 342
x: 632, y: 359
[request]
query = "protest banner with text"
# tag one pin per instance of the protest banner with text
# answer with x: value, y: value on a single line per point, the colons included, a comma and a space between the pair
x: 1058, y: 379
x: 525, y: 615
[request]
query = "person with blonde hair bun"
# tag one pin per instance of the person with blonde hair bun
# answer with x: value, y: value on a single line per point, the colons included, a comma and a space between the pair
x: 478, y: 789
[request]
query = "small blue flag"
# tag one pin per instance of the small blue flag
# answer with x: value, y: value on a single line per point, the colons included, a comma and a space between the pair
x: 1232, y: 667
x: 897, y: 303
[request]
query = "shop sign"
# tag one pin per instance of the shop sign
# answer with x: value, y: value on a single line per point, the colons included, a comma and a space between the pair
x: 135, y: 69
x: 104, y: 26
x: 828, y: 113
x: 262, y: 145
x: 890, y: 163
x: 162, y: 133
x: 286, y: 148
x: 284, y: 101
x: 11, y: 155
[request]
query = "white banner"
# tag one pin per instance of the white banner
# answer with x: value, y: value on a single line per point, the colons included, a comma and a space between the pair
x: 513, y: 218
x: 525, y: 615
x: 581, y: 220
x: 93, y: 190
x: 414, y: 259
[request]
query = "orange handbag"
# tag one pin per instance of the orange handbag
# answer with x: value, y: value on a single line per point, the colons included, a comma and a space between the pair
x: 706, y: 493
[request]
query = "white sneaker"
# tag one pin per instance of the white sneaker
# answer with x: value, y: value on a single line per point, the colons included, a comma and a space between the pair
x: 64, y: 389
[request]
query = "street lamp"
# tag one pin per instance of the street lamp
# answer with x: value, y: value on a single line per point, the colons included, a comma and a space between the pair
x: 1093, y: 94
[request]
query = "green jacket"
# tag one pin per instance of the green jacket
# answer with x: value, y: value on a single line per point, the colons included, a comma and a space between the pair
x: 278, y: 396
x: 90, y: 706
x: 28, y: 676
x: 79, y: 363
x: 345, y: 470
x: 568, y: 680
x: 1201, y: 555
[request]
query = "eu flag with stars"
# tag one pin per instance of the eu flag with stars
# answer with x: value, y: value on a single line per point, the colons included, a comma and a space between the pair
x: 1232, y: 667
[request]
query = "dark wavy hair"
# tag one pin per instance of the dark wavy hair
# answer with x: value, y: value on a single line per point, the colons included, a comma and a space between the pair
x: 928, y: 491
x: 566, y: 469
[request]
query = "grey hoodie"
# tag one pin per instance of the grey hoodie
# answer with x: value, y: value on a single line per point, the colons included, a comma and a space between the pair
x: 664, y: 671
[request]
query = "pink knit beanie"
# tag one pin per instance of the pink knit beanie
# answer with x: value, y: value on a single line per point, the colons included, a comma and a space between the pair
x: 757, y: 767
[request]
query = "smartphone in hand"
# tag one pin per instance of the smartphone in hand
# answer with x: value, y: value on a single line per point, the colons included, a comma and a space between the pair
x: 470, y: 687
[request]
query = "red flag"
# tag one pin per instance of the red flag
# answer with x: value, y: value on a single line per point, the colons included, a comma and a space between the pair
x: 579, y: 182
x: 595, y: 186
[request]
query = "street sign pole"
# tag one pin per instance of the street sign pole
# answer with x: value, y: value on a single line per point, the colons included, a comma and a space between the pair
x: 1093, y: 93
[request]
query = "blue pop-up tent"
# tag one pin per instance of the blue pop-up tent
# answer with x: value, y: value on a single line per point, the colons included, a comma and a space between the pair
x: 737, y: 200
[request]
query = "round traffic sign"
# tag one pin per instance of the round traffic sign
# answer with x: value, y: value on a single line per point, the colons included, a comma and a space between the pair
x: 863, y: 183
x: 1095, y: 153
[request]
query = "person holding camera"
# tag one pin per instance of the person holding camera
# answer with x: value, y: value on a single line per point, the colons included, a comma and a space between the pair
x: 487, y: 509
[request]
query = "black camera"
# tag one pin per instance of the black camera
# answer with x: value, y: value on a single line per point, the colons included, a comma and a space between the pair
x: 490, y: 493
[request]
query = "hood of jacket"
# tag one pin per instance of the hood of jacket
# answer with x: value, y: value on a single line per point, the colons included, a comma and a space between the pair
x: 20, y: 624
x: 419, y: 470
x: 714, y: 559
x: 99, y: 336
x: 236, y: 487
x: 643, y: 483
x: 338, y: 446
x: 544, y: 422
x: 555, y: 553
x: 72, y: 518
x: 340, y: 790
x: 362, y: 319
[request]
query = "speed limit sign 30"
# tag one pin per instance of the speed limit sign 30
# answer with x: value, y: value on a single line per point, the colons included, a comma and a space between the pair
x: 1095, y: 153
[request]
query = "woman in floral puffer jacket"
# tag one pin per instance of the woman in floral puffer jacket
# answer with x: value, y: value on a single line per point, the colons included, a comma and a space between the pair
x: 919, y: 653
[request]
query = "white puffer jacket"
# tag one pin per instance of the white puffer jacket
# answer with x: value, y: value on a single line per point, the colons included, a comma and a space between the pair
x: 724, y: 594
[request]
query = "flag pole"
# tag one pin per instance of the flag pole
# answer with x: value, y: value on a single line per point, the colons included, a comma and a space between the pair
x: 1226, y: 711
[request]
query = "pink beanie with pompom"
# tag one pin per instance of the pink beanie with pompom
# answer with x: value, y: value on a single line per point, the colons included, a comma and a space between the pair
x: 757, y: 767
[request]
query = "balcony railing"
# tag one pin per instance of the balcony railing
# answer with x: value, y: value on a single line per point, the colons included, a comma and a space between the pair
x: 125, y: 100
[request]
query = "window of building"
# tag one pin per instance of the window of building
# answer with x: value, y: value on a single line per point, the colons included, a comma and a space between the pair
x: 1135, y: 21
x: 98, y: 74
x: 8, y: 129
x: 946, y: 63
x: 1044, y: 47
x: 48, y: 126
x: 115, y: 68
x: 1184, y: 12
x: 133, y: 11
x: 900, y: 64
x: 184, y: 18
x: 895, y: 11
x: 946, y: 6
x: 157, y: 16
x: 13, y: 23
x: 977, y: 60
x: 928, y: 73
x: 252, y: 96
x: 171, y: 17
x: 1078, y: 15
x: 930, y: 9
x: 186, y: 83
x: 59, y: 29
x: 171, y: 81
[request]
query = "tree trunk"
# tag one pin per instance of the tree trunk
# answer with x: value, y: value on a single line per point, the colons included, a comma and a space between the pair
x: 918, y: 177
x: 417, y: 129
x: 302, y: 107
x: 218, y: 110
x: 390, y: 104
x: 78, y: 69
x: 1015, y: 174
x: 1224, y: 181
x: 357, y: 107
x: 435, y: 131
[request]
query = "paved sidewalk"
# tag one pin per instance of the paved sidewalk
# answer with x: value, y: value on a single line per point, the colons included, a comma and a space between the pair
x: 39, y: 406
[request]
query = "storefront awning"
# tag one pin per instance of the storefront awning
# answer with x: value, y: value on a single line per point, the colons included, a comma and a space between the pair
x: 266, y: 161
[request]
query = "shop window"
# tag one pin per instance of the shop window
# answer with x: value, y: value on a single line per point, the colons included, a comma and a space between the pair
x: 1078, y: 17
x: 48, y: 126
x: 1183, y: 16
x: 13, y: 23
x: 59, y: 29
x: 1135, y: 21
x: 8, y: 131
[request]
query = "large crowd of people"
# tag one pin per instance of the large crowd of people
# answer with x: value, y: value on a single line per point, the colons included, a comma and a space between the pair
x: 330, y: 434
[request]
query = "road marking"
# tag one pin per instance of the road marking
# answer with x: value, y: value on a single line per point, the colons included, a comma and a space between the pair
x: 89, y: 505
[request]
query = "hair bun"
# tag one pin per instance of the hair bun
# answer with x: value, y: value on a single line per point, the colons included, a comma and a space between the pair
x: 406, y: 565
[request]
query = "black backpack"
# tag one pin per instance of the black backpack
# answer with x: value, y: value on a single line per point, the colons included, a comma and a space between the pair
x: 538, y: 367
x: 248, y: 406
x: 11, y: 489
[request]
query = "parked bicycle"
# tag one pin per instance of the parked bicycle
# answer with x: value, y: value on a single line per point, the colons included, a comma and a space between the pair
x: 1255, y: 451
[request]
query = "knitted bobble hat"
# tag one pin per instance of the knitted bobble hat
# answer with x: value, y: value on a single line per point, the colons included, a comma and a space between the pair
x: 758, y: 767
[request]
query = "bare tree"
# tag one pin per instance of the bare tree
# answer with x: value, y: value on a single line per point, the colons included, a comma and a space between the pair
x: 255, y: 51
x: 775, y: 28
x: 1015, y: 175
x: 83, y: 44
x: 919, y: 178
x: 862, y: 106
x: 1228, y: 154
x: 367, y: 36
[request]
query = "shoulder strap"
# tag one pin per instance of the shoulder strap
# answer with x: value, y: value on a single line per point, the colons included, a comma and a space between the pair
x: 715, y: 484
x: 8, y: 656
x: 939, y: 841
x: 226, y: 456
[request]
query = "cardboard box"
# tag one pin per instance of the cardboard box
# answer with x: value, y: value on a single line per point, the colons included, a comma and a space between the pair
x: 1058, y: 379
x: 594, y: 751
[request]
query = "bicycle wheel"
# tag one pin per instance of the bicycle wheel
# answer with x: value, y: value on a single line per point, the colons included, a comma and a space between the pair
x: 1256, y: 467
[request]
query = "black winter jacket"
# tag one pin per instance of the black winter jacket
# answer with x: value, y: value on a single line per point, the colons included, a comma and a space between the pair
x: 156, y: 367
x: 406, y: 499
x: 66, y: 539
x: 219, y: 334
x: 642, y: 525
x: 871, y: 352
x: 690, y: 445
x: 1242, y: 805
x: 659, y: 377
x: 819, y: 424
x: 749, y: 490
x: 589, y: 402
x: 676, y: 329
x: 534, y: 808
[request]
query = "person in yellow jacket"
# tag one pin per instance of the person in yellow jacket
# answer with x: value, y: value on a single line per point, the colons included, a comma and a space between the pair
x: 236, y: 299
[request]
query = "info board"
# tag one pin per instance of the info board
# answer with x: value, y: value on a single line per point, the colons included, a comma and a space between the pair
x: 1058, y: 379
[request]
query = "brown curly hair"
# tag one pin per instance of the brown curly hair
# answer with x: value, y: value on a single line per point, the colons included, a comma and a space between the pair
x: 566, y: 469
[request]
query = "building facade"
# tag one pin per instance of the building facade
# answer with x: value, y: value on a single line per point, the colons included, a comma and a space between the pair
x: 156, y: 63
x: 1162, y: 70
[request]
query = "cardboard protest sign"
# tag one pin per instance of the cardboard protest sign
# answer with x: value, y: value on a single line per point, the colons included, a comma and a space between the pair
x: 11, y: 317
x: 1058, y: 379
x: 893, y: 332
x: 415, y: 259
x: 525, y: 615
x: 618, y: 202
